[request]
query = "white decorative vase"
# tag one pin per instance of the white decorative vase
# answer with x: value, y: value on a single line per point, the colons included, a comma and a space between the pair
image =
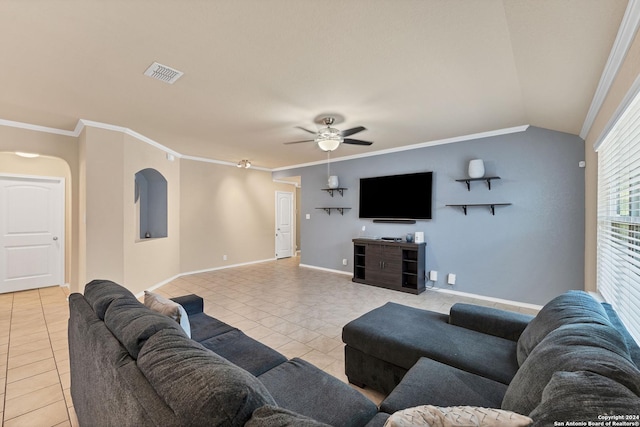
x: 333, y: 181
x: 476, y: 168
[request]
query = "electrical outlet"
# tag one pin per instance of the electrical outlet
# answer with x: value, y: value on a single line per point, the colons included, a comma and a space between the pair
x: 308, y: 216
x: 433, y: 276
x: 344, y: 261
x: 224, y: 257
x: 451, y: 279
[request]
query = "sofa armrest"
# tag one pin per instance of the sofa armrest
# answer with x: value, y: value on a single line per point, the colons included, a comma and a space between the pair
x: 193, y: 304
x: 488, y: 320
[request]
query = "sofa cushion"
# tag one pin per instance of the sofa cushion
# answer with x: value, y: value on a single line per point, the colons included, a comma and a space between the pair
x: 401, y: 335
x: 568, y: 308
x: 204, y: 327
x: 583, y: 396
x: 433, y: 383
x: 489, y: 320
x: 274, y: 416
x: 462, y: 416
x: 244, y: 351
x: 579, y: 347
x: 299, y: 386
x: 101, y: 293
x: 169, y: 308
x: 202, y: 388
x: 132, y: 323
x: 379, y: 420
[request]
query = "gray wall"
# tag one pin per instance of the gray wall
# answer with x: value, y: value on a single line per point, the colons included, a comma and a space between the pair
x: 529, y: 252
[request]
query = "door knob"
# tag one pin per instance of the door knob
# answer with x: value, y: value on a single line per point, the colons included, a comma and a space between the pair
x: 55, y: 237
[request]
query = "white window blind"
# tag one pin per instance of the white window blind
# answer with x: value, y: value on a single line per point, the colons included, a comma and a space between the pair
x: 619, y: 217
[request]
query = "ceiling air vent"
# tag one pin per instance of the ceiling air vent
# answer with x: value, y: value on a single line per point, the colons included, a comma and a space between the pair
x: 163, y: 73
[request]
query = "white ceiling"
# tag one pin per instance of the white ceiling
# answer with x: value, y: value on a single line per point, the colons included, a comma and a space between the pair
x: 410, y: 71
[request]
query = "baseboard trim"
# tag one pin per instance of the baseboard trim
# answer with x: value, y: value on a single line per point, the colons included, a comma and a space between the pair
x: 487, y: 298
x: 344, y: 273
x: 206, y: 270
x: 329, y: 270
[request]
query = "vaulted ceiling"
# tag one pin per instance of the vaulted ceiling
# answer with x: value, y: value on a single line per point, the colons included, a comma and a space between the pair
x: 410, y: 71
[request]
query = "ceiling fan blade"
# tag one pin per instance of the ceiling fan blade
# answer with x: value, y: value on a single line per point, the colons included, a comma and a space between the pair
x: 351, y: 131
x: 356, y: 141
x: 297, y: 142
x: 306, y: 130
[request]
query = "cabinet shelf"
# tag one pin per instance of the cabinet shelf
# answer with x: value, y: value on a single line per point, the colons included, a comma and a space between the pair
x: 393, y: 265
x: 331, y: 190
x: 491, y: 206
x: 329, y: 209
x: 487, y: 179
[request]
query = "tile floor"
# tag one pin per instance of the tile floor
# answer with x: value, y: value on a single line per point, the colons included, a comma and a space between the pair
x: 34, y: 358
x: 298, y: 311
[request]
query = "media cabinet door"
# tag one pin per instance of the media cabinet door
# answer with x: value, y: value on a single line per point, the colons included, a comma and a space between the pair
x: 383, y: 265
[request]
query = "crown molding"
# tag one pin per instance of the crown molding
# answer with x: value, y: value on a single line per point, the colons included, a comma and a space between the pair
x: 452, y: 140
x: 37, y: 128
x: 629, y: 97
x: 621, y: 45
x: 221, y: 162
x: 82, y: 123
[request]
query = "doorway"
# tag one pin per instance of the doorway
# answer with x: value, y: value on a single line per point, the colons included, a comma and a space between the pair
x: 31, y: 232
x: 284, y: 224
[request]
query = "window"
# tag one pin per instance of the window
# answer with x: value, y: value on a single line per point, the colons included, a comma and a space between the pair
x: 619, y: 217
x: 151, y: 204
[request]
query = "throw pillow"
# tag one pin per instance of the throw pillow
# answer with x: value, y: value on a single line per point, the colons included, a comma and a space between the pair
x: 453, y: 416
x: 165, y: 306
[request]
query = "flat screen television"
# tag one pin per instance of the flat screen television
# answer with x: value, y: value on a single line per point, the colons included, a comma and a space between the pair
x: 406, y: 196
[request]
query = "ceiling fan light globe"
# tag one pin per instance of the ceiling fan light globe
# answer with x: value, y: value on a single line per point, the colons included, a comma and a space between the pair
x: 330, y: 143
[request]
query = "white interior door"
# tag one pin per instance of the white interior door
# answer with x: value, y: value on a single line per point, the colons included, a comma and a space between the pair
x: 284, y: 224
x: 31, y: 233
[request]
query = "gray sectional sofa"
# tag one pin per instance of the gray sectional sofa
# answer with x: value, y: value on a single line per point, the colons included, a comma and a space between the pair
x: 573, y: 361
x: 131, y: 366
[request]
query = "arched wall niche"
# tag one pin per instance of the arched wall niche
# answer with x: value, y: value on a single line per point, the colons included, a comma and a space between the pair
x: 151, y: 204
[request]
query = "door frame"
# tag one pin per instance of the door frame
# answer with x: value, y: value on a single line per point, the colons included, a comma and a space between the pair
x: 293, y: 222
x: 63, y: 207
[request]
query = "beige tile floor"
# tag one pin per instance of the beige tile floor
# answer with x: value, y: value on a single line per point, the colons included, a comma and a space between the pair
x: 34, y: 358
x: 296, y: 310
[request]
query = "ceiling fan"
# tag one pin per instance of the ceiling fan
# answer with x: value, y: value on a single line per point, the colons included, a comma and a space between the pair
x: 329, y: 138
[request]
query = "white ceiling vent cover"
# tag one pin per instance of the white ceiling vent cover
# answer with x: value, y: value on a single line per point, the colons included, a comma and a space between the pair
x: 163, y: 73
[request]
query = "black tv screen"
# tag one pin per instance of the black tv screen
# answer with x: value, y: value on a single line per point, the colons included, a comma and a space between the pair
x: 405, y: 196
